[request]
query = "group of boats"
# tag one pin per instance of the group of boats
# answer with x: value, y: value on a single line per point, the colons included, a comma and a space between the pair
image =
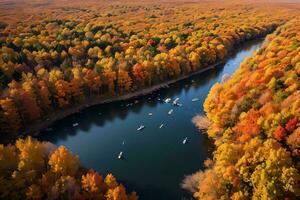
x: 167, y: 100
x: 141, y: 127
x: 174, y: 103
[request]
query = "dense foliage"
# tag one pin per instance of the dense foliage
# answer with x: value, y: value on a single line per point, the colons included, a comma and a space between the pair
x: 54, y: 60
x: 37, y: 170
x: 255, y: 122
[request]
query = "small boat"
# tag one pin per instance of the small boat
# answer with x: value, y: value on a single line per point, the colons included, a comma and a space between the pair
x: 120, y: 155
x: 161, y: 125
x: 175, y: 102
x: 123, y: 142
x: 136, y: 101
x: 170, y: 111
x: 49, y: 129
x: 150, y: 114
x: 167, y: 100
x: 75, y: 124
x: 140, y: 128
x: 195, y: 99
x: 184, y: 141
x: 99, y: 113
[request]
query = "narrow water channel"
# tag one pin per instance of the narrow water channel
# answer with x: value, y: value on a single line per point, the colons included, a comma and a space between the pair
x: 155, y: 159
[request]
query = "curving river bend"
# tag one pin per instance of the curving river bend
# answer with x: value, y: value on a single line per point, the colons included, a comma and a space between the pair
x: 155, y: 160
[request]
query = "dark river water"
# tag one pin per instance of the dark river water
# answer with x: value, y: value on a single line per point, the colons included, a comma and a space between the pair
x: 155, y: 160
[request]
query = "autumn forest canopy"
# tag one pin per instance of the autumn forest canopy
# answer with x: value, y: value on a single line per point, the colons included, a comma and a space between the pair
x: 56, y: 58
x: 255, y: 123
x: 61, y: 59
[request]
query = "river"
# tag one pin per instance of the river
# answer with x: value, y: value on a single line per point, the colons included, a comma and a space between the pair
x: 155, y: 160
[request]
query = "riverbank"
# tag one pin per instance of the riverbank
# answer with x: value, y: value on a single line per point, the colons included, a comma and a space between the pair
x: 58, y: 115
x: 35, y: 129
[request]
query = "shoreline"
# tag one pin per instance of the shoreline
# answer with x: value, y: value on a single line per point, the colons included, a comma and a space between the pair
x: 36, y: 129
x: 58, y: 115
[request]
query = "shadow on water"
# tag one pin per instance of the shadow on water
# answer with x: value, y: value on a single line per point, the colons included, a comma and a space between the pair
x: 100, y: 114
x: 155, y: 160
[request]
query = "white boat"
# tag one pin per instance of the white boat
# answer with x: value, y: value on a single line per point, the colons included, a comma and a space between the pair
x: 175, y: 102
x: 120, y: 155
x: 123, y: 142
x: 170, y: 111
x: 140, y: 128
x: 185, y: 140
x: 167, y: 100
x: 195, y: 99
x: 75, y: 124
x: 161, y: 125
x: 150, y: 114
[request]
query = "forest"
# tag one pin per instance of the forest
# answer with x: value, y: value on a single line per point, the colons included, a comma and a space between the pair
x: 53, y: 64
x: 55, y: 59
x: 30, y: 169
x: 255, y: 125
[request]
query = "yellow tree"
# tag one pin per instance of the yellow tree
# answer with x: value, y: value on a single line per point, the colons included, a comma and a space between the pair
x: 110, y: 181
x: 63, y: 163
x: 174, y: 66
x: 194, y: 58
x: 92, y: 80
x: 124, y: 81
x: 93, y: 185
x: 76, y: 85
x: 31, y: 156
x: 62, y: 93
x: 118, y: 193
